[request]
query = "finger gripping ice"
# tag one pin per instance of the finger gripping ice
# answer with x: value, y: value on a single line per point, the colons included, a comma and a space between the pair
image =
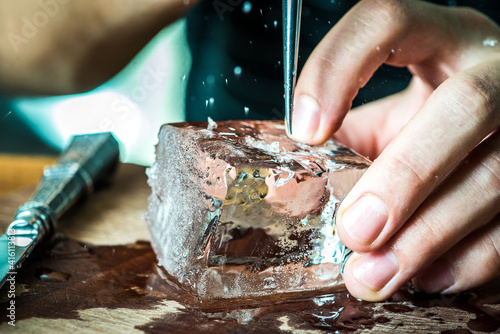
x: 238, y: 210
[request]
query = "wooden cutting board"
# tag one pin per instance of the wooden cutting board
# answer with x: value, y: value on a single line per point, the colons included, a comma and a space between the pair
x: 98, y: 274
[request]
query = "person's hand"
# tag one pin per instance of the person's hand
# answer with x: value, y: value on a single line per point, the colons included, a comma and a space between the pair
x: 428, y: 207
x: 67, y: 47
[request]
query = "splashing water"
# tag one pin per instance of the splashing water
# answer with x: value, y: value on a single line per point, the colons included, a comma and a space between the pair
x: 490, y: 41
x: 247, y: 7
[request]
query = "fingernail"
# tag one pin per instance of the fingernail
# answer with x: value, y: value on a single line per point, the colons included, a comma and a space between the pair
x: 376, y: 269
x: 305, y: 118
x: 438, y: 277
x: 365, y: 219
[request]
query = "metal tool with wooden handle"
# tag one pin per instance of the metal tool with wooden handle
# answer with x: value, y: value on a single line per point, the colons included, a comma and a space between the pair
x: 87, y: 160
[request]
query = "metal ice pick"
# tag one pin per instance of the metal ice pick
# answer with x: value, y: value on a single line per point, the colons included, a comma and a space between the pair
x: 292, y: 10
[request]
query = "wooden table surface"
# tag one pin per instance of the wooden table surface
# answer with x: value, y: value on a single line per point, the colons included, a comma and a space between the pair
x: 98, y: 274
x: 19, y: 171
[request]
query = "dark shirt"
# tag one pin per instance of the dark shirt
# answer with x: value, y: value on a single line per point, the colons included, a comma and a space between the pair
x: 237, y: 52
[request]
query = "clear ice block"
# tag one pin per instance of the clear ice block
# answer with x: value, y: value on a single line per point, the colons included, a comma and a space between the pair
x: 238, y: 210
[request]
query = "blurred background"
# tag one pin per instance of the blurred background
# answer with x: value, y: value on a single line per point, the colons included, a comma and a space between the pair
x: 236, y: 74
x: 133, y: 104
x: 219, y: 63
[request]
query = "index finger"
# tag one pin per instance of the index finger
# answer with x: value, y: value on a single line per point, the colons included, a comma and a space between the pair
x: 374, y: 32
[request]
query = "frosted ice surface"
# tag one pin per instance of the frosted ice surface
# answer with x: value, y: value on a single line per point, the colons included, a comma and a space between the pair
x: 249, y: 214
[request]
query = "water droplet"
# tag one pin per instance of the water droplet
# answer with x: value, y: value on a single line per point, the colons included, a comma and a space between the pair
x: 247, y: 7
x: 275, y: 24
x: 322, y: 300
x: 48, y: 275
x: 237, y: 70
x: 490, y: 41
x: 247, y: 111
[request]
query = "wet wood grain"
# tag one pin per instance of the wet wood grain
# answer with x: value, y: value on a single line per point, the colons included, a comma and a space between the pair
x: 98, y: 274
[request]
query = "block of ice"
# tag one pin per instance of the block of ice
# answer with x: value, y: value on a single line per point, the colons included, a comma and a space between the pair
x: 238, y: 210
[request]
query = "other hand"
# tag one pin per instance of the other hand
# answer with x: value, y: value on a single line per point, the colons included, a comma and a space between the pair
x: 428, y: 208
